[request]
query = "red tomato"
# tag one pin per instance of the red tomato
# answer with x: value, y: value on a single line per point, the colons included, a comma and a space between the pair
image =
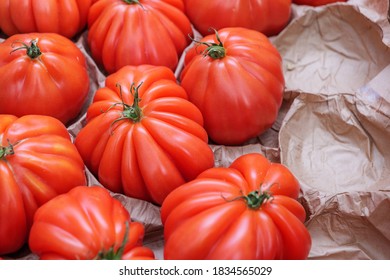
x: 84, y: 224
x: 132, y: 32
x: 38, y: 161
x: 246, y: 211
x: 236, y: 80
x: 266, y: 16
x: 143, y: 137
x: 316, y: 2
x: 44, y: 74
x: 66, y: 18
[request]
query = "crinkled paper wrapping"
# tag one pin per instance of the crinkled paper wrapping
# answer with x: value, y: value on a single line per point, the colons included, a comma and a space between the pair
x: 335, y: 136
x: 332, y: 132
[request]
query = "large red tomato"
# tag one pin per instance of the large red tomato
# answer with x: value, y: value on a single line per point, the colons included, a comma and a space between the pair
x: 38, y: 161
x: 266, y: 16
x: 236, y: 79
x: 44, y: 74
x: 143, y: 137
x: 246, y: 211
x: 135, y: 32
x: 84, y: 224
x: 316, y: 2
x: 50, y: 16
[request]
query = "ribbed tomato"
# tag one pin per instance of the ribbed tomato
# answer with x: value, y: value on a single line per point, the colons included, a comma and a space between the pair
x: 84, y: 224
x: 38, y: 161
x: 135, y: 32
x: 66, y: 18
x: 235, y: 77
x: 43, y: 74
x: 143, y: 137
x: 246, y: 211
x: 266, y: 16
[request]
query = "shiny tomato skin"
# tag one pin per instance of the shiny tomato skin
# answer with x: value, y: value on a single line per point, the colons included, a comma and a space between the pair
x: 239, y: 94
x: 84, y: 224
x: 66, y: 18
x: 149, y: 32
x: 266, y: 16
x: 316, y: 3
x: 42, y: 164
x: 208, y: 218
x: 55, y: 83
x: 147, y: 158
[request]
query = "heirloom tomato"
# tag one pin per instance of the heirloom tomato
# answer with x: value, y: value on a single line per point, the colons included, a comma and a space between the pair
x: 66, y: 18
x: 246, y: 211
x: 135, y: 32
x: 43, y: 74
x: 143, y: 137
x: 38, y: 161
x: 84, y: 224
x: 316, y: 2
x: 266, y: 16
x: 235, y: 77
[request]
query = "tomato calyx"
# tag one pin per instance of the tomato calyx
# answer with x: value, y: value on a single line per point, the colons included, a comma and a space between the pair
x: 213, y: 50
x: 111, y: 254
x: 33, y: 50
x: 255, y: 199
x: 133, y: 112
x: 134, y: 2
x: 6, y: 151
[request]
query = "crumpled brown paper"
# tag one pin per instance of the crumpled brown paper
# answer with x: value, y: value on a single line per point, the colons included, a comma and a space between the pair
x: 335, y: 137
x: 332, y: 132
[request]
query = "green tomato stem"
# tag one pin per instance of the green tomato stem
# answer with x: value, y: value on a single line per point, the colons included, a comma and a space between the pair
x: 131, y: 2
x: 254, y: 200
x: 213, y: 50
x: 32, y: 51
x: 133, y: 112
x: 6, y: 151
x: 111, y: 254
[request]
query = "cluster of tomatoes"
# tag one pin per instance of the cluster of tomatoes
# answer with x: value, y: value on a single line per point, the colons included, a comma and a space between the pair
x: 147, y: 131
